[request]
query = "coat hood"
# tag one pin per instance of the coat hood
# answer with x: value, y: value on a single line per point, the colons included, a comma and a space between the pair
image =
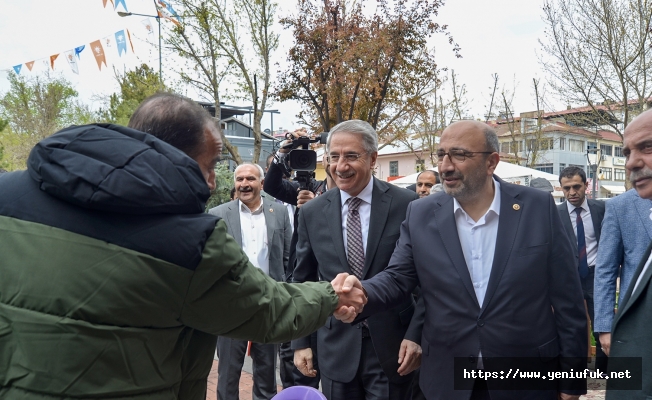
x: 118, y: 169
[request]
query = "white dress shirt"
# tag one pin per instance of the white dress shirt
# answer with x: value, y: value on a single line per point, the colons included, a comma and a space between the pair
x: 478, y: 240
x: 589, y: 231
x: 364, y: 210
x: 254, y: 236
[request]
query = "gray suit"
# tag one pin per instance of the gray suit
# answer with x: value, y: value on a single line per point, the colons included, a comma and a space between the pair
x: 232, y: 352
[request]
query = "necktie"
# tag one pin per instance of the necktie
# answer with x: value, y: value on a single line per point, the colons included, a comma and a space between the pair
x: 581, y: 244
x: 355, y: 249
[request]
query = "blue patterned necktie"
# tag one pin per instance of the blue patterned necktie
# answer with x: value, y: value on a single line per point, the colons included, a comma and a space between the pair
x: 581, y: 244
x: 355, y: 248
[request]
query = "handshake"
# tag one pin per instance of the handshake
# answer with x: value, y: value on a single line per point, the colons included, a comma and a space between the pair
x: 352, y: 297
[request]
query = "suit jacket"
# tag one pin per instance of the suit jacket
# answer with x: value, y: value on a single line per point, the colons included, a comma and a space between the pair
x: 533, y: 272
x: 630, y: 334
x: 279, y: 232
x: 626, y: 233
x: 597, y: 215
x: 321, y: 256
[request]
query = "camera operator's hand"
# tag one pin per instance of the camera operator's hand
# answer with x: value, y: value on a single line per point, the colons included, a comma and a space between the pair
x: 295, y: 134
x: 304, y: 197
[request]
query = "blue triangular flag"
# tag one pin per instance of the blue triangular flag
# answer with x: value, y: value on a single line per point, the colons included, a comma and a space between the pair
x: 121, y: 40
x: 17, y: 68
x: 117, y: 2
x: 79, y: 49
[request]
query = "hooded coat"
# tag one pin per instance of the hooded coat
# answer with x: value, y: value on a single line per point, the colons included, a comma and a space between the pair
x: 114, y: 282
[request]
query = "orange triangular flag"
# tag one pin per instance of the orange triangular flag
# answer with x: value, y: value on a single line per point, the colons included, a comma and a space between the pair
x: 130, y: 42
x: 29, y: 65
x: 52, y: 58
x: 104, y: 2
x: 98, y: 52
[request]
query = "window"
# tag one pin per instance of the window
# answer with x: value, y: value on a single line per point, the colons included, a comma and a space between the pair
x: 504, y: 147
x: 544, y: 168
x: 605, y: 174
x: 420, y: 166
x: 576, y: 146
x: 605, y: 149
x: 619, y: 174
x: 393, y: 168
x: 618, y: 151
x: 532, y: 145
x: 562, y: 143
x: 546, y: 144
x: 561, y: 167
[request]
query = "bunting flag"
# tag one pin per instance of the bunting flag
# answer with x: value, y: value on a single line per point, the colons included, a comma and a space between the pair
x: 70, y: 57
x: 104, y: 2
x: 29, y: 65
x: 79, y: 49
x: 166, y: 11
x: 52, y: 58
x: 107, y: 41
x: 130, y: 42
x: 17, y: 68
x: 121, y: 41
x: 118, y: 2
x: 98, y: 52
x: 148, y: 25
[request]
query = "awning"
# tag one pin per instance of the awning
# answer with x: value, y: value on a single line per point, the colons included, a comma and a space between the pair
x: 614, y: 189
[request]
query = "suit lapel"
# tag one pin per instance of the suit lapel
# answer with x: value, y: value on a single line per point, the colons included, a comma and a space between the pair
x: 447, y: 229
x: 508, y: 222
x: 270, y: 220
x: 233, y: 219
x: 643, y: 208
x: 631, y: 295
x: 596, y: 218
x: 333, y: 214
x: 568, y: 225
x: 380, y: 203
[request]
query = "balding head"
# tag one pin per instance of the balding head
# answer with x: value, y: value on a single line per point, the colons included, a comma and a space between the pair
x: 637, y: 148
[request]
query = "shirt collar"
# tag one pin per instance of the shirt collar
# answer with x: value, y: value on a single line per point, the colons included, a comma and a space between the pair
x: 364, y: 195
x: 244, y: 208
x: 495, y: 204
x: 571, y: 208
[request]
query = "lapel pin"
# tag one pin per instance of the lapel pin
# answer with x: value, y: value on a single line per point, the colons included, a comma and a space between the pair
x: 271, y: 210
x: 516, y: 207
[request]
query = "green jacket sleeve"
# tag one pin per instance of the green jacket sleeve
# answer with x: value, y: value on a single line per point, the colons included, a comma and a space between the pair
x: 228, y: 296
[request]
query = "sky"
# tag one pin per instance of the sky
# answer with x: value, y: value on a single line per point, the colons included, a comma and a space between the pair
x: 495, y: 36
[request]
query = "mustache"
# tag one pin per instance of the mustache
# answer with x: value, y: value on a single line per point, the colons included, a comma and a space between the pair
x: 640, y: 174
x: 451, y: 174
x: 248, y: 189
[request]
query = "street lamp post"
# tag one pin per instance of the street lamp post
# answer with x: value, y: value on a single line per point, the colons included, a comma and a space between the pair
x: 158, y: 19
x: 593, y: 166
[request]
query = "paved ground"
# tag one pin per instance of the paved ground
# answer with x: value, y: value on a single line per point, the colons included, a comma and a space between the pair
x: 596, y: 387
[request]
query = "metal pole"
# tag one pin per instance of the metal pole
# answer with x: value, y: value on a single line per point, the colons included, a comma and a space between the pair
x: 595, y: 174
x: 160, y: 59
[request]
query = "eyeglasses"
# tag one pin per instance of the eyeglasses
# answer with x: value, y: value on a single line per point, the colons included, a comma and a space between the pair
x: 458, y: 156
x: 349, y: 158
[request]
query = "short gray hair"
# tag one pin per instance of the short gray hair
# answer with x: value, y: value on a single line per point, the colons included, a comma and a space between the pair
x: 261, y: 173
x: 356, y: 127
x: 491, y: 139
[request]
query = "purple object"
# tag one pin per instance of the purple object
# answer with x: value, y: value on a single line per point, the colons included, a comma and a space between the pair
x: 299, y: 393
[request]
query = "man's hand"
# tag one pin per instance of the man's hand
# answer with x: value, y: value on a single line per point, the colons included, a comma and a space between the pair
x: 303, y: 362
x: 304, y: 197
x: 295, y: 134
x: 409, y: 356
x: 564, y: 396
x: 605, y: 342
x: 352, y: 297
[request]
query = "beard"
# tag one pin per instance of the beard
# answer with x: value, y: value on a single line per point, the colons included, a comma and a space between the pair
x: 470, y: 184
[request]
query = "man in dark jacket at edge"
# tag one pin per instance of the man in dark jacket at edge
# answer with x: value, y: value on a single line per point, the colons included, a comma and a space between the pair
x: 114, y: 282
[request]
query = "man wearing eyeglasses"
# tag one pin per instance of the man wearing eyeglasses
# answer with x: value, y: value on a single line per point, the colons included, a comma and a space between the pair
x: 353, y: 228
x: 498, y: 278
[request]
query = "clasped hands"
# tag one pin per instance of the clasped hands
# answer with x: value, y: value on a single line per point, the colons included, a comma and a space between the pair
x: 352, y: 297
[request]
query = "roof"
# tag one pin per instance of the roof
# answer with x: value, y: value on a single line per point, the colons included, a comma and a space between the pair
x: 246, y: 125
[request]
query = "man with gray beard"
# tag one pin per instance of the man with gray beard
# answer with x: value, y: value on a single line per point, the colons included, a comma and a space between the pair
x: 498, y: 278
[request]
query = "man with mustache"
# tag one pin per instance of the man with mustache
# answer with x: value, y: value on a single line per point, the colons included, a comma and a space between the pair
x: 498, y: 278
x: 631, y: 331
x: 353, y: 228
x: 426, y: 180
x: 582, y: 219
x: 262, y: 227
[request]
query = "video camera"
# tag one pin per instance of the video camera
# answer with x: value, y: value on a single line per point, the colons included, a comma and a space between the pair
x: 301, y: 159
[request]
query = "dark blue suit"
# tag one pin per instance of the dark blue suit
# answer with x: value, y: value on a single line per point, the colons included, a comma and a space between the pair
x: 533, y: 273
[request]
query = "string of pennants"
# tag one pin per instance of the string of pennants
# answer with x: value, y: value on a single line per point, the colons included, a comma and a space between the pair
x: 120, y: 38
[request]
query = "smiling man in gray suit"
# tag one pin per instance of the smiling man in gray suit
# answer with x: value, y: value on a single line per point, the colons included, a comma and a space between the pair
x: 631, y: 332
x: 263, y: 229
